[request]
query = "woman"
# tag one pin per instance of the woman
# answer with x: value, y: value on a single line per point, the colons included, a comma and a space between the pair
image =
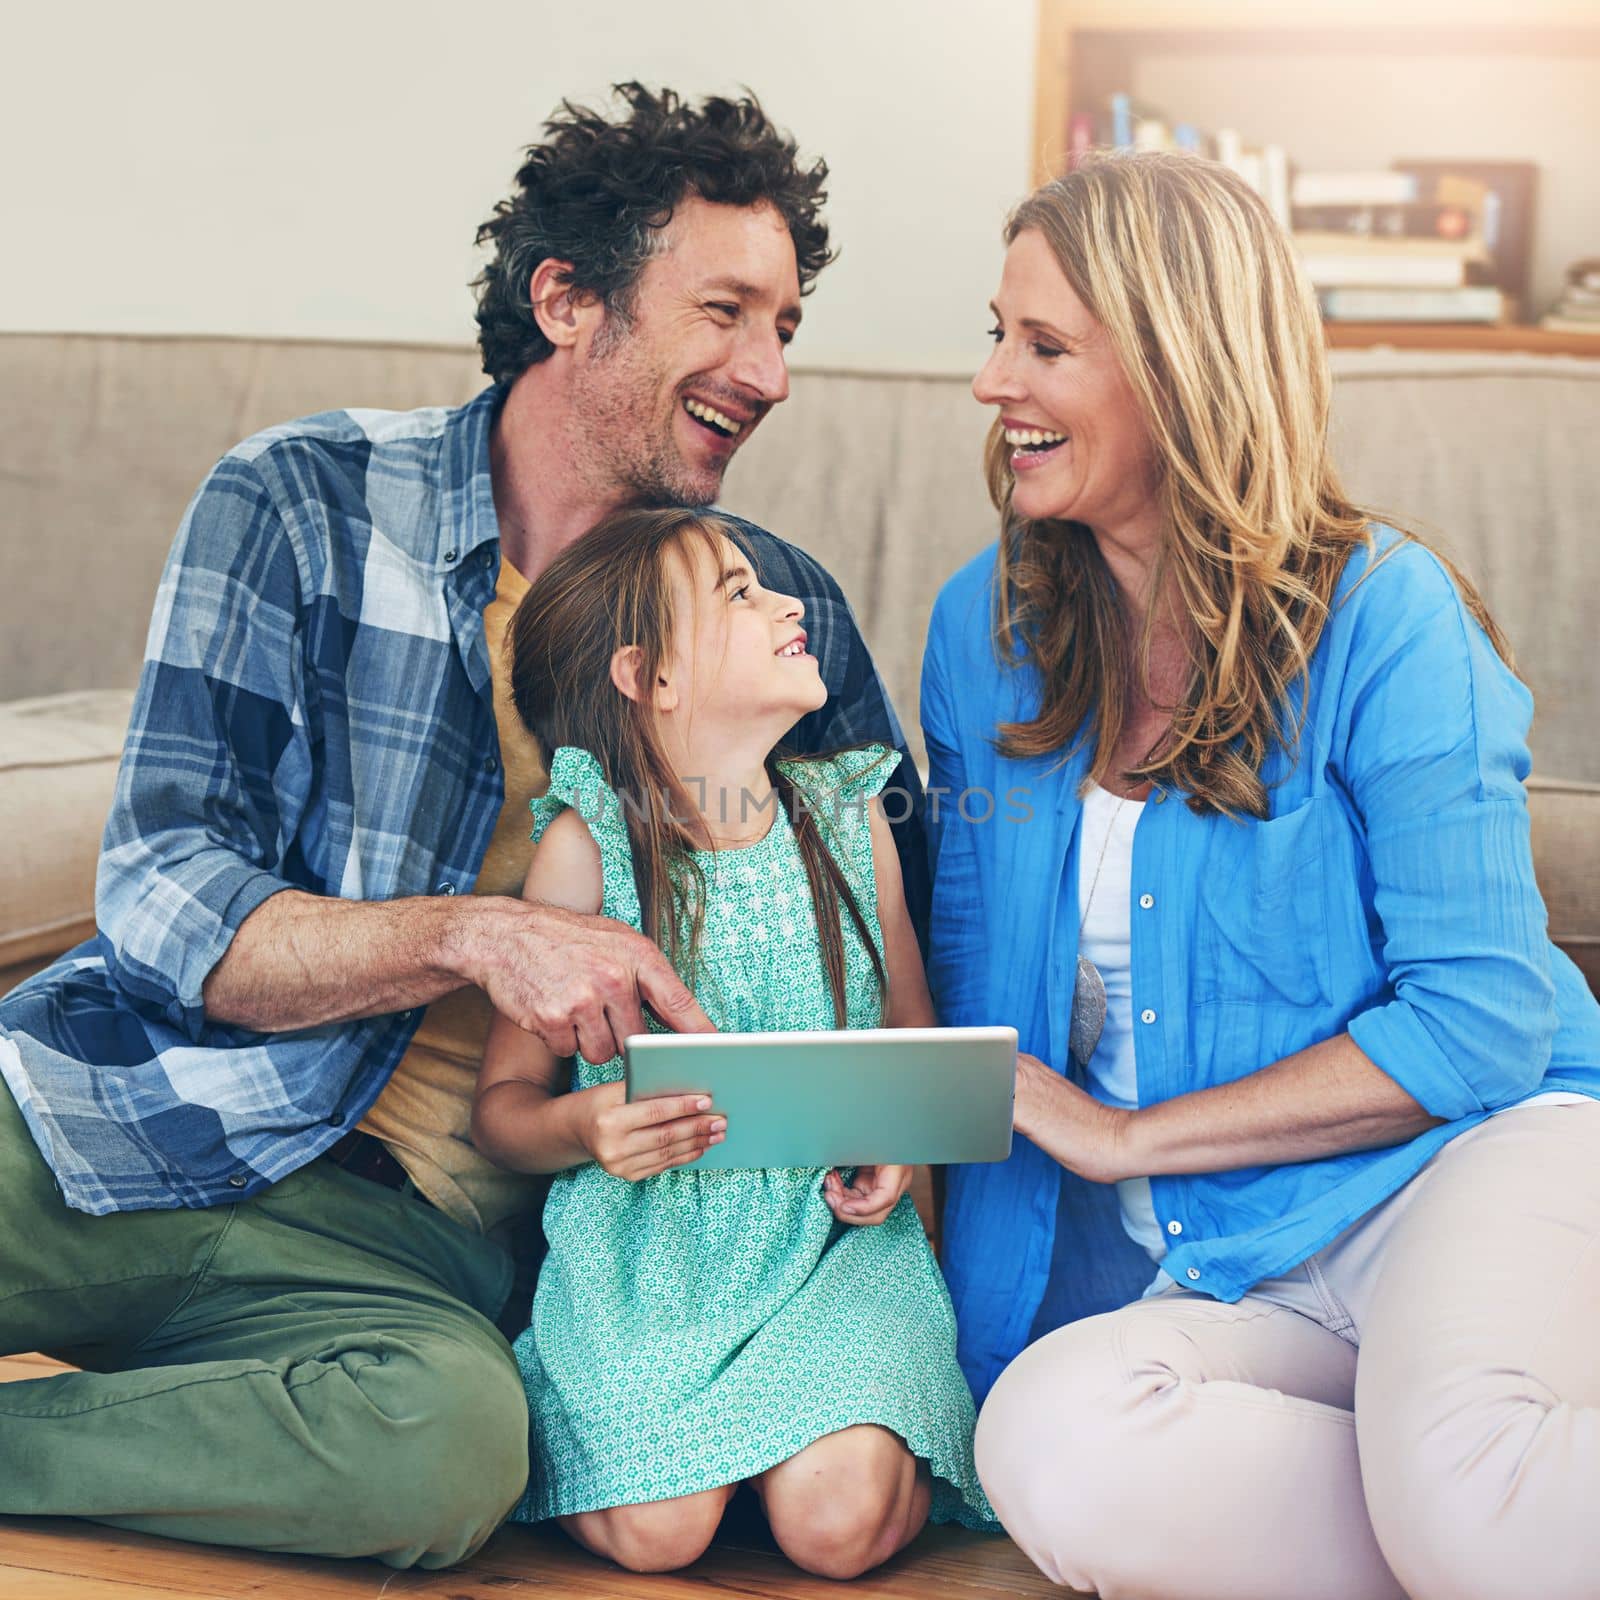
x: 1274, y: 906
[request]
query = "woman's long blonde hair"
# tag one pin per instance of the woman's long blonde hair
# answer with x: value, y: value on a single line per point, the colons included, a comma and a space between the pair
x: 1219, y: 334
x: 611, y: 589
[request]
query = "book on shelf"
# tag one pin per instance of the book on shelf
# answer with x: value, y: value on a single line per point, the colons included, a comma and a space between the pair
x: 1578, y: 309
x: 1477, y: 303
x: 1352, y: 188
x: 1340, y: 260
x: 1329, y: 270
x: 1151, y: 133
x: 1554, y: 324
x: 1583, y: 277
x: 1274, y: 186
x: 1504, y: 196
x: 1080, y: 137
x: 1134, y: 125
x: 1470, y: 248
x: 1122, y: 121
x: 1418, y: 219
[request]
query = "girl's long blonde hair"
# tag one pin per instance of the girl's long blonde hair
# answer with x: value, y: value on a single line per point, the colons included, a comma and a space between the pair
x: 610, y: 589
x: 1219, y: 333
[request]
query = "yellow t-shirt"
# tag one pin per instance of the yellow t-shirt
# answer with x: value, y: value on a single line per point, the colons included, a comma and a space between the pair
x: 424, y: 1113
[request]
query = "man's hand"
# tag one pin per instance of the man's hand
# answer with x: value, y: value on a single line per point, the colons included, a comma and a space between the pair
x: 639, y: 1140
x: 864, y: 1203
x: 579, y: 983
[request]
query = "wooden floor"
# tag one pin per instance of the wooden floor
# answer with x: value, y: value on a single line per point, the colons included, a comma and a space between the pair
x: 43, y: 1558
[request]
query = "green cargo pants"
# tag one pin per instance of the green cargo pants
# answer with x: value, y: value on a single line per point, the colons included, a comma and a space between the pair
x: 315, y: 1369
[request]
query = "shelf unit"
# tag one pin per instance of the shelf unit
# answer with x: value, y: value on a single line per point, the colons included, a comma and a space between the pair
x: 1083, y: 45
x: 1529, y: 340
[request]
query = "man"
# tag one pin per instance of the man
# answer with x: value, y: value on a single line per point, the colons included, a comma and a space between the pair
x: 234, y: 1163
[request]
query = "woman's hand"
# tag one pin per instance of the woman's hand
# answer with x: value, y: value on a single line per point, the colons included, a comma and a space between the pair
x: 649, y: 1136
x: 866, y: 1202
x: 1084, y: 1135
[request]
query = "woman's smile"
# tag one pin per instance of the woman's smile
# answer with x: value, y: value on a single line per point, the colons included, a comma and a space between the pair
x: 1033, y: 445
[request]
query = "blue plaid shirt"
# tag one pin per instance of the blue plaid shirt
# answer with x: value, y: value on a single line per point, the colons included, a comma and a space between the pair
x: 314, y: 712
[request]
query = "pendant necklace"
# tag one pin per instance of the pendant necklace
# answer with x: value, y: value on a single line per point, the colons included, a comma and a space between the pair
x: 1089, y: 991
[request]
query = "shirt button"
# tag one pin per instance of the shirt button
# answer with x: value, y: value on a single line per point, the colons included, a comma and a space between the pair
x: 1174, y: 1227
x: 1147, y: 1015
x: 486, y: 560
x: 1146, y: 901
x: 445, y: 888
x: 450, y: 555
x: 237, y: 1181
x: 490, y: 764
x: 336, y: 1120
x: 1194, y: 1274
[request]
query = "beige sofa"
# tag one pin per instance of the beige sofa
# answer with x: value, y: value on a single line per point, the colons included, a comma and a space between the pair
x: 103, y: 439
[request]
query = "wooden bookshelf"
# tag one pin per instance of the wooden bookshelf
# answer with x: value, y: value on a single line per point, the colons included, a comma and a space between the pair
x: 1084, y: 48
x: 1460, y: 336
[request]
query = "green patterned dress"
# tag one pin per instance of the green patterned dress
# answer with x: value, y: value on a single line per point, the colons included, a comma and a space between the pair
x: 696, y: 1328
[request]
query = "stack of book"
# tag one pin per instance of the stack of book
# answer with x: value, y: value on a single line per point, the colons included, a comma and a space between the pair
x: 1578, y: 309
x: 1376, y: 251
x: 1430, y: 241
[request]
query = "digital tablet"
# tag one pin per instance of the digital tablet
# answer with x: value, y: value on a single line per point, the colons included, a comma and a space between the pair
x: 855, y: 1098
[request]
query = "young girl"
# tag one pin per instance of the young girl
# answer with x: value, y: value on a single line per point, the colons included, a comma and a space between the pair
x: 695, y: 1330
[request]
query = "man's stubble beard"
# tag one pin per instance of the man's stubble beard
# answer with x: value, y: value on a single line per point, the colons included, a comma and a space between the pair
x: 641, y: 457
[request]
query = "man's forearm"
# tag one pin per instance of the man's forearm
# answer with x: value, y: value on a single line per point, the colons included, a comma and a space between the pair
x: 1322, y: 1101
x: 299, y: 960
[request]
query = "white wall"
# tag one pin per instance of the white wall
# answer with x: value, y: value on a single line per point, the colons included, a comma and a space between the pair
x: 317, y: 168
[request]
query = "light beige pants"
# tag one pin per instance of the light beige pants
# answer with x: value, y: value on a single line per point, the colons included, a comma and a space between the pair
x: 1413, y: 1411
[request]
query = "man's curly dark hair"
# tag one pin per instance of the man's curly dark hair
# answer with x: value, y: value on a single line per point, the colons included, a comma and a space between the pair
x: 600, y: 193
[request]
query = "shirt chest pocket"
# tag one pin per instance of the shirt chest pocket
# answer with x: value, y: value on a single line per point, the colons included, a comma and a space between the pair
x: 1261, y: 933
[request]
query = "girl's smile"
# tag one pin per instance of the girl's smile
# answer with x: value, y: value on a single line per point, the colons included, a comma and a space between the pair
x: 740, y: 655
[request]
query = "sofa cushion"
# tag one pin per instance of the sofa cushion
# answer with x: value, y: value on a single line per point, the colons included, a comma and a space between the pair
x: 1566, y: 860
x: 58, y: 768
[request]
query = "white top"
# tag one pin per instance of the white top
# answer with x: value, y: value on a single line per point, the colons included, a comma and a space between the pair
x: 1105, y: 898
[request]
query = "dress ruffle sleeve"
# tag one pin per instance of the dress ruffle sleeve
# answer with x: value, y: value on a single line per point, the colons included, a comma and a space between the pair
x: 577, y: 784
x: 837, y: 789
x: 850, y: 778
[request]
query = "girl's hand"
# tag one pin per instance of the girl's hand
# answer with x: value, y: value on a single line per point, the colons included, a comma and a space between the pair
x: 866, y: 1202
x: 639, y: 1140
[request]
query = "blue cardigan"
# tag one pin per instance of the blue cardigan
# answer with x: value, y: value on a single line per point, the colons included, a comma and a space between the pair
x: 1390, y: 894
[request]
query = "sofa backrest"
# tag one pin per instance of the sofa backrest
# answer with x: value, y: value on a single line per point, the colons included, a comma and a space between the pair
x: 104, y: 438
